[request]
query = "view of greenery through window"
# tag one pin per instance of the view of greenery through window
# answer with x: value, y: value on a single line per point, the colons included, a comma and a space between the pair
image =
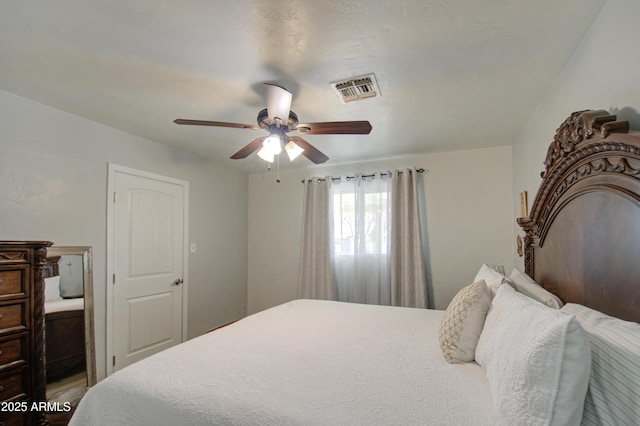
x: 360, y: 224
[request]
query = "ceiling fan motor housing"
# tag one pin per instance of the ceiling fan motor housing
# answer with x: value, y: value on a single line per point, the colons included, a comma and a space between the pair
x: 266, y: 123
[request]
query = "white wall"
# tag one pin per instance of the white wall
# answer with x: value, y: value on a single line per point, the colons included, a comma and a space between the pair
x: 53, y: 186
x: 601, y: 74
x: 469, y: 221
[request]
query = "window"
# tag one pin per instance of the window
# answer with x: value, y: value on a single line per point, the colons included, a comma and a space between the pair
x: 361, y: 223
x: 349, y: 252
x: 361, y: 217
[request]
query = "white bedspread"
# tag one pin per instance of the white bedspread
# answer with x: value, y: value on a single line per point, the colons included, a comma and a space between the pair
x: 76, y: 304
x: 301, y: 363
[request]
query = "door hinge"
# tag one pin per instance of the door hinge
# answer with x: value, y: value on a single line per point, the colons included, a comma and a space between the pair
x: 115, y: 197
x: 114, y: 360
x: 114, y: 278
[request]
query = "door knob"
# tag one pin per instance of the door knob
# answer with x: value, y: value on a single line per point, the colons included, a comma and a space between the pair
x: 178, y: 281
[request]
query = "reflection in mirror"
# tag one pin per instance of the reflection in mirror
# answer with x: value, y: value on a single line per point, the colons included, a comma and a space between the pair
x: 69, y: 330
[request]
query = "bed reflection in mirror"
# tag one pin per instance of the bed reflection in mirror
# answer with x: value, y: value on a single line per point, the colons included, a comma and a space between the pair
x: 69, y: 331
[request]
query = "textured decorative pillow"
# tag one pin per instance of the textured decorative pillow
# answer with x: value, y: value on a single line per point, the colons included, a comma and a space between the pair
x: 52, y: 289
x: 490, y: 276
x: 463, y: 321
x: 537, y: 361
x: 526, y: 285
x: 614, y: 386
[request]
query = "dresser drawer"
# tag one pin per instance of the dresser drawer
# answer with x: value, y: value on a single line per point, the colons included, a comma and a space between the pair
x: 17, y: 255
x: 13, y: 317
x: 13, y: 350
x: 14, y: 384
x: 14, y: 282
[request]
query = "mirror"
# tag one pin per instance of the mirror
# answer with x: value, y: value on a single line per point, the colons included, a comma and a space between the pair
x: 69, y: 326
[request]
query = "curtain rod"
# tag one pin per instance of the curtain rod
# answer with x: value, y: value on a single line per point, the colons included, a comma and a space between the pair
x: 334, y: 179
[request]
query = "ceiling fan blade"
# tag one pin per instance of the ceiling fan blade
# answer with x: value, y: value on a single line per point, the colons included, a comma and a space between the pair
x: 216, y: 124
x: 335, y: 128
x: 249, y: 149
x: 310, y: 151
x: 278, y: 103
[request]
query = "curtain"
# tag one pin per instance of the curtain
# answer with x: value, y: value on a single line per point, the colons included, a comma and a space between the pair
x: 361, y: 208
x: 408, y: 280
x: 315, y: 277
x: 362, y: 240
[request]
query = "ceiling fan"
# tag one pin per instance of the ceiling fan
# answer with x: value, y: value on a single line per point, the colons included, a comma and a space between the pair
x: 278, y: 120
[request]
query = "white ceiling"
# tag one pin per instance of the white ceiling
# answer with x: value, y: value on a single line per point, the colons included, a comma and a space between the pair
x: 453, y: 74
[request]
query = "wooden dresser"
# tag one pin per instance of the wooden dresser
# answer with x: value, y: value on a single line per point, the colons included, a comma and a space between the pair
x: 22, y: 368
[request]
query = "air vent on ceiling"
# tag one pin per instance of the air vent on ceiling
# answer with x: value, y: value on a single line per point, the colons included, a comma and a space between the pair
x: 356, y: 88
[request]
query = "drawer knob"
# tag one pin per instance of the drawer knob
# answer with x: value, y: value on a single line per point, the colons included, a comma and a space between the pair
x: 0, y: 280
x: 1, y: 388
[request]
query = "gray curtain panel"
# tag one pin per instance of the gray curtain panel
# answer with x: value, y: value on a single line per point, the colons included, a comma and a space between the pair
x: 408, y: 276
x: 315, y: 278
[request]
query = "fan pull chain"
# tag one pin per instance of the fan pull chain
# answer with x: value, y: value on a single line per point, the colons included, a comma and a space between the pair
x: 278, y: 169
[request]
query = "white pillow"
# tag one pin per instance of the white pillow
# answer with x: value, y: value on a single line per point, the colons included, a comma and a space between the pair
x: 526, y: 285
x: 52, y: 289
x: 463, y: 321
x: 614, y: 386
x: 537, y: 361
x: 490, y: 276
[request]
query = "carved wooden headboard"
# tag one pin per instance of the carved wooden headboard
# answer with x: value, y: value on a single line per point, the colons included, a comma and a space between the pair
x: 582, y: 238
x: 51, y: 267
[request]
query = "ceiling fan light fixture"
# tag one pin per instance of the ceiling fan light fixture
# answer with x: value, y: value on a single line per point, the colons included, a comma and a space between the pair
x: 293, y: 150
x: 266, y: 154
x: 273, y: 144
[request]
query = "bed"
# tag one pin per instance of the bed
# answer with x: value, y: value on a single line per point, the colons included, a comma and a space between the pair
x: 64, y: 325
x: 556, y: 344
